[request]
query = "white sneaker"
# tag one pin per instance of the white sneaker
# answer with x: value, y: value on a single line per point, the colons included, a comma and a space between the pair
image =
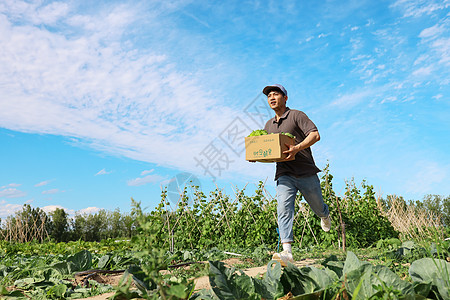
x: 283, y: 258
x: 325, y: 223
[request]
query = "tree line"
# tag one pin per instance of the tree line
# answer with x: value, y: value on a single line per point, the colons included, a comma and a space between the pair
x: 33, y: 223
x: 245, y: 218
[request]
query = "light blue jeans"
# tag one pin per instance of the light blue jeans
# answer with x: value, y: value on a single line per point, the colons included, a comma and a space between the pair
x: 287, y: 187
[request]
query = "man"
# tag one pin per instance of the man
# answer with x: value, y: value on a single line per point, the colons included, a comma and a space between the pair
x: 296, y: 175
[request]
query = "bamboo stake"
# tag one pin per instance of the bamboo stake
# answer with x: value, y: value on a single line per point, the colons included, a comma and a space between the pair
x: 342, y: 224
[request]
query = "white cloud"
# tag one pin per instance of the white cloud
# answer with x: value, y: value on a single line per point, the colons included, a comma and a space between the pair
x: 11, y: 185
x: 145, y: 172
x: 12, y: 193
x: 51, y: 192
x: 425, y: 180
x: 350, y: 100
x: 431, y: 32
x: 389, y: 99
x: 322, y: 35
x: 7, y: 209
x: 88, y: 210
x: 51, y: 208
x: 103, y: 172
x: 442, y: 47
x: 42, y: 183
x: 51, y: 13
x: 424, y: 71
x: 422, y: 58
x: 145, y: 108
x: 152, y: 178
x: 418, y: 8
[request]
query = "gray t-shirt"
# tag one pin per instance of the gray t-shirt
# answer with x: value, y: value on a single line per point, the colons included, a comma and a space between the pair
x: 298, y: 124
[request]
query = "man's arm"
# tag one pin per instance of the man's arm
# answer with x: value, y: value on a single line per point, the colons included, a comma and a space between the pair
x: 310, y: 140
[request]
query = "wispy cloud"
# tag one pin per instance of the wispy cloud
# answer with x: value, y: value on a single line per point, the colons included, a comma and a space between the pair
x: 88, y: 210
x: 12, y: 193
x: 350, y: 100
x: 424, y: 71
x: 51, y: 208
x: 52, y: 191
x: 51, y: 81
x: 7, y: 209
x: 42, y: 183
x: 431, y: 174
x: 418, y: 8
x: 11, y: 185
x: 152, y: 178
x: 202, y: 22
x: 103, y: 172
x: 432, y: 31
x: 145, y: 172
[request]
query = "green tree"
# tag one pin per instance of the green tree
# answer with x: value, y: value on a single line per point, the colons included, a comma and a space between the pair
x: 438, y: 206
x: 446, y: 211
x: 79, y: 231
x: 60, y: 225
x: 432, y: 203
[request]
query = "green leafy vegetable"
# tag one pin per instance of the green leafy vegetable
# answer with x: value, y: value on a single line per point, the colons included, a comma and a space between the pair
x: 258, y: 132
x: 288, y: 134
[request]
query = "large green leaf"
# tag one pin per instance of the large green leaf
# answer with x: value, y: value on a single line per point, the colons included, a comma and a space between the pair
x: 367, y: 281
x: 390, y: 279
x: 422, y: 288
x: 227, y: 284
x: 307, y: 280
x: 81, y: 261
x: 352, y: 263
x: 103, y: 261
x: 204, y: 295
x: 358, y: 282
x: 323, y: 278
x: 57, y: 291
x: 334, y: 264
x: 297, y: 282
x: 434, y: 271
x: 63, y: 268
x: 270, y: 287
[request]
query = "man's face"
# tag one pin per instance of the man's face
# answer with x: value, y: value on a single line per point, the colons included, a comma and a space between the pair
x: 276, y: 99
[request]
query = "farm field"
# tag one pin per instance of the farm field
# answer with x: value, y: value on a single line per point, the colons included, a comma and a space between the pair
x: 219, y: 246
x: 55, y: 271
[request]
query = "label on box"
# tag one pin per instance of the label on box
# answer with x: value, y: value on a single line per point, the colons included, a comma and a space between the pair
x: 262, y: 153
x: 267, y: 148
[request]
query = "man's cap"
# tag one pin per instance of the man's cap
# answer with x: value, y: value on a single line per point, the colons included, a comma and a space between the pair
x: 272, y: 87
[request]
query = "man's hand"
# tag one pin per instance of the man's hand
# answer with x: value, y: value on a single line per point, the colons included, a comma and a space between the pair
x: 292, y: 151
x: 310, y: 140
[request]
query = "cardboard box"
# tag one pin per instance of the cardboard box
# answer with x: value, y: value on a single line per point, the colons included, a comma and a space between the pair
x: 267, y: 148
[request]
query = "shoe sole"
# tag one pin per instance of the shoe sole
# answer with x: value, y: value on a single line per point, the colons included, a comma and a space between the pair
x: 282, y: 262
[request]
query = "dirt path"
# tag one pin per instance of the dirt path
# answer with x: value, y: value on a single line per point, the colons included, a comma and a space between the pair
x: 201, y: 282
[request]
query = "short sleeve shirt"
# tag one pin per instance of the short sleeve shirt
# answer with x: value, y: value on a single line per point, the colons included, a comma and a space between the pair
x: 298, y: 124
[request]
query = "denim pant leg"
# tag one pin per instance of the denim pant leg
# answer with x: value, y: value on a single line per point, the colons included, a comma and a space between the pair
x: 286, y: 192
x: 311, y: 191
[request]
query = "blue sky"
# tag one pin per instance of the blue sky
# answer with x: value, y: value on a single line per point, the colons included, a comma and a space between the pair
x: 107, y: 100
